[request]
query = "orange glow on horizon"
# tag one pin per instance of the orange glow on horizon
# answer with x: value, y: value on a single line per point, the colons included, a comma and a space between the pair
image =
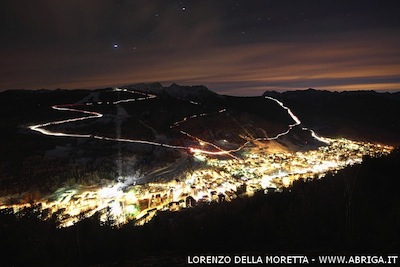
x: 338, y: 64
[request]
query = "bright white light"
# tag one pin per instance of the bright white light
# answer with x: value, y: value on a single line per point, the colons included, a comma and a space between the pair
x: 266, y: 181
x: 111, y: 192
x: 131, y: 209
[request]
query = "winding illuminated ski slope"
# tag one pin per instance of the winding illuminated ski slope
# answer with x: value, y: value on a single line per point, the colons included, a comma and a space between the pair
x: 94, y: 115
x: 40, y: 127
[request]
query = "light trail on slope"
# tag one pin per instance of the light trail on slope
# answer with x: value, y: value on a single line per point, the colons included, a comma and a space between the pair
x: 185, y: 119
x: 196, y: 150
x: 297, y: 122
x: 319, y: 138
x: 291, y: 114
x: 147, y: 96
x: 94, y: 115
x: 228, y: 152
x: 39, y: 127
x: 294, y: 117
x: 139, y: 142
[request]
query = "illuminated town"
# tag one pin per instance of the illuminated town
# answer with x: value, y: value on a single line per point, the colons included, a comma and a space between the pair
x: 260, y: 164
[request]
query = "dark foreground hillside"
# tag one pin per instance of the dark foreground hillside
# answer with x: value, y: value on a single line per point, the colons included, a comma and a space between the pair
x: 356, y: 211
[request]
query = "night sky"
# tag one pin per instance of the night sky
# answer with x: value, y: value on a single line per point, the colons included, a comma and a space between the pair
x: 232, y: 47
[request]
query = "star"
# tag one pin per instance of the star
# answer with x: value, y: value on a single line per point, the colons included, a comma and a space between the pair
x: 115, y: 45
